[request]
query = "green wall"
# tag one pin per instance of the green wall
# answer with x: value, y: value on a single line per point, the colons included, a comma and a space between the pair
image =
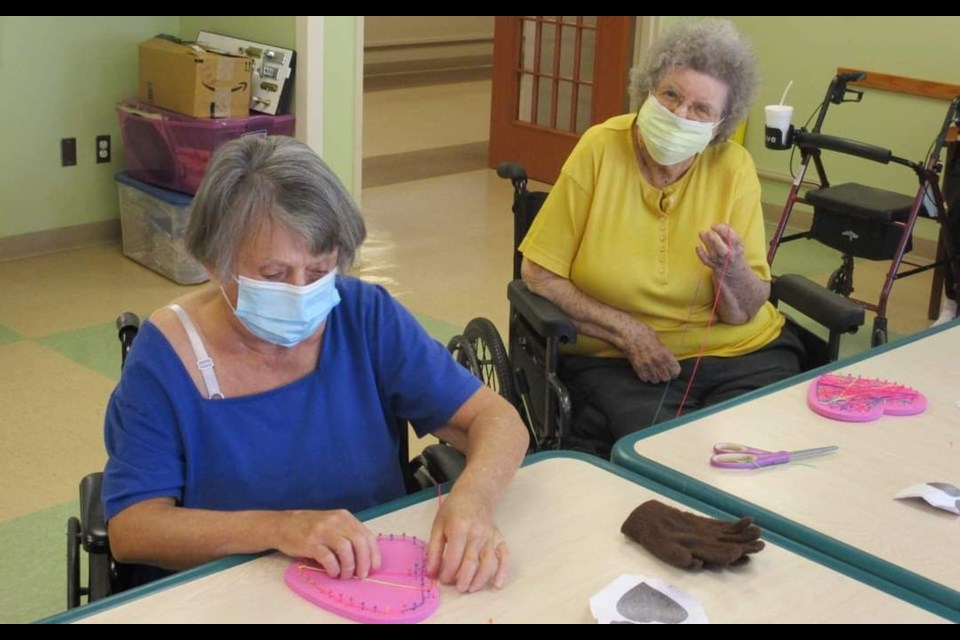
x: 808, y: 50
x: 61, y: 77
x: 275, y: 30
x: 668, y: 21
x: 66, y: 76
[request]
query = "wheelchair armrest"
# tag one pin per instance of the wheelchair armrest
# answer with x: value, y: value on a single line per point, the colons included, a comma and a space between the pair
x: 544, y: 316
x: 93, y: 527
x: 443, y: 462
x: 835, y: 312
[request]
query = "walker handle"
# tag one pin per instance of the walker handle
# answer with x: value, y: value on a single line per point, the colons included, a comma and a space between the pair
x: 843, y: 145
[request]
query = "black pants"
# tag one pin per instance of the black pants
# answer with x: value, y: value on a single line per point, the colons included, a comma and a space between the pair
x: 610, y: 401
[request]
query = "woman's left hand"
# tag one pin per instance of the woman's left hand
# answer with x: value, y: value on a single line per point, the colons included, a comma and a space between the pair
x: 466, y: 546
x: 722, y: 248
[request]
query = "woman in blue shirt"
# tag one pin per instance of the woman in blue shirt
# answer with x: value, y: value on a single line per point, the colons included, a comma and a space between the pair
x: 258, y: 413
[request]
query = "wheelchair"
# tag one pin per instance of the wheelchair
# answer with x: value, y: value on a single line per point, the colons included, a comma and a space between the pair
x: 528, y: 369
x: 105, y: 576
x: 862, y: 221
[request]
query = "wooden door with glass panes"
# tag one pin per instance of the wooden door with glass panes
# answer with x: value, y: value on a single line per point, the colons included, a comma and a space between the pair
x: 553, y: 77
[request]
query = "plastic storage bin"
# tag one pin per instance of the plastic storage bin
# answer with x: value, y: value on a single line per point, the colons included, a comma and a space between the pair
x: 153, y: 222
x: 172, y: 151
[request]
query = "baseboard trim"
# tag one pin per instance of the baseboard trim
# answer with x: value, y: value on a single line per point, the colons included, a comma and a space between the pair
x: 442, y: 41
x: 379, y: 171
x: 426, y: 78
x: 437, y: 63
x: 38, y: 243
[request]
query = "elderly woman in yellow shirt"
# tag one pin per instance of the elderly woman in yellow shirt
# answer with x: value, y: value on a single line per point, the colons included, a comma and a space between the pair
x: 653, y: 241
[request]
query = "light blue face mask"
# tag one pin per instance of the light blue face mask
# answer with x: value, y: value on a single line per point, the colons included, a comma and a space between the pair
x: 285, y: 314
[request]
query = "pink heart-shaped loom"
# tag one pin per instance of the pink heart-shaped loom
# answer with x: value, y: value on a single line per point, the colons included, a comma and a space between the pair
x: 399, y: 591
x: 858, y: 399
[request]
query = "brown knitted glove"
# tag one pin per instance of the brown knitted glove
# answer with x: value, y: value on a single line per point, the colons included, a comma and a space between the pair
x: 687, y: 540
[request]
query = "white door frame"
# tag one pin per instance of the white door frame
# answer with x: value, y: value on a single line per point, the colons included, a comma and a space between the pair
x: 309, y: 81
x: 310, y: 45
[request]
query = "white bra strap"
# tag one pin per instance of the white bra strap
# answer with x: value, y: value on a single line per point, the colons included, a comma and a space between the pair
x: 204, y: 362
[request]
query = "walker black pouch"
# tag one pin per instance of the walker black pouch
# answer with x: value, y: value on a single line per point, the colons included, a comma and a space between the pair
x: 859, y: 220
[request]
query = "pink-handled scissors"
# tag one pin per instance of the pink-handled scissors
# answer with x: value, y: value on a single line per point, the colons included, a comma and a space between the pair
x: 729, y: 455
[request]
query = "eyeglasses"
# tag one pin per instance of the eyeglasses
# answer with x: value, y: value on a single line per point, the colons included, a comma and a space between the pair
x: 698, y: 111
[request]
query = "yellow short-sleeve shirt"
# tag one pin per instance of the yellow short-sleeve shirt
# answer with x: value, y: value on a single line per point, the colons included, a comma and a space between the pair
x: 630, y: 245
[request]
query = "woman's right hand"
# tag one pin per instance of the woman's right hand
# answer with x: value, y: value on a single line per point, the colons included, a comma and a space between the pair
x: 652, y: 362
x: 335, y: 539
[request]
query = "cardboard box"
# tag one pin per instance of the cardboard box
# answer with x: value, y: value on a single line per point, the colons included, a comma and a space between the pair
x: 193, y: 81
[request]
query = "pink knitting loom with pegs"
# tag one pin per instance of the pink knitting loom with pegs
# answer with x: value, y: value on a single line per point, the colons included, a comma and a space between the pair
x: 399, y: 591
x: 858, y: 399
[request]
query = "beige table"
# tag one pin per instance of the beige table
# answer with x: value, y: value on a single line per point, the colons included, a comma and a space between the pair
x: 842, y: 503
x: 562, y: 520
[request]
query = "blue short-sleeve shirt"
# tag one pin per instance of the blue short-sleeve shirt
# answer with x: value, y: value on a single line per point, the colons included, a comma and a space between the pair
x: 328, y: 440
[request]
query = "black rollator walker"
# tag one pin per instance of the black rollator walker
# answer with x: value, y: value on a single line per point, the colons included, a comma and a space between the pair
x: 859, y: 220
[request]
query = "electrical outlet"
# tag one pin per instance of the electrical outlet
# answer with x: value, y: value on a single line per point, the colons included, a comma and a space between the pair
x: 68, y: 152
x: 103, y: 149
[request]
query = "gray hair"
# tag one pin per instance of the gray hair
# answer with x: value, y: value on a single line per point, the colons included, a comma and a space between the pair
x: 713, y: 47
x: 254, y: 180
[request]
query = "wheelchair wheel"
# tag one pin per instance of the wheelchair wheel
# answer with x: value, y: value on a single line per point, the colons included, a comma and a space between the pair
x: 494, y: 364
x: 840, y: 282
x: 463, y: 352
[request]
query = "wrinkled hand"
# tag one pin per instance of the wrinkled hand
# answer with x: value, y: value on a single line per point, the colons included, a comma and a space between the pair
x: 690, y: 541
x: 722, y: 248
x: 335, y: 539
x: 466, y: 546
x: 651, y: 361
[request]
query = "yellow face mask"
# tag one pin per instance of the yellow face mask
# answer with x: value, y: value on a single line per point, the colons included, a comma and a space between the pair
x: 669, y: 138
